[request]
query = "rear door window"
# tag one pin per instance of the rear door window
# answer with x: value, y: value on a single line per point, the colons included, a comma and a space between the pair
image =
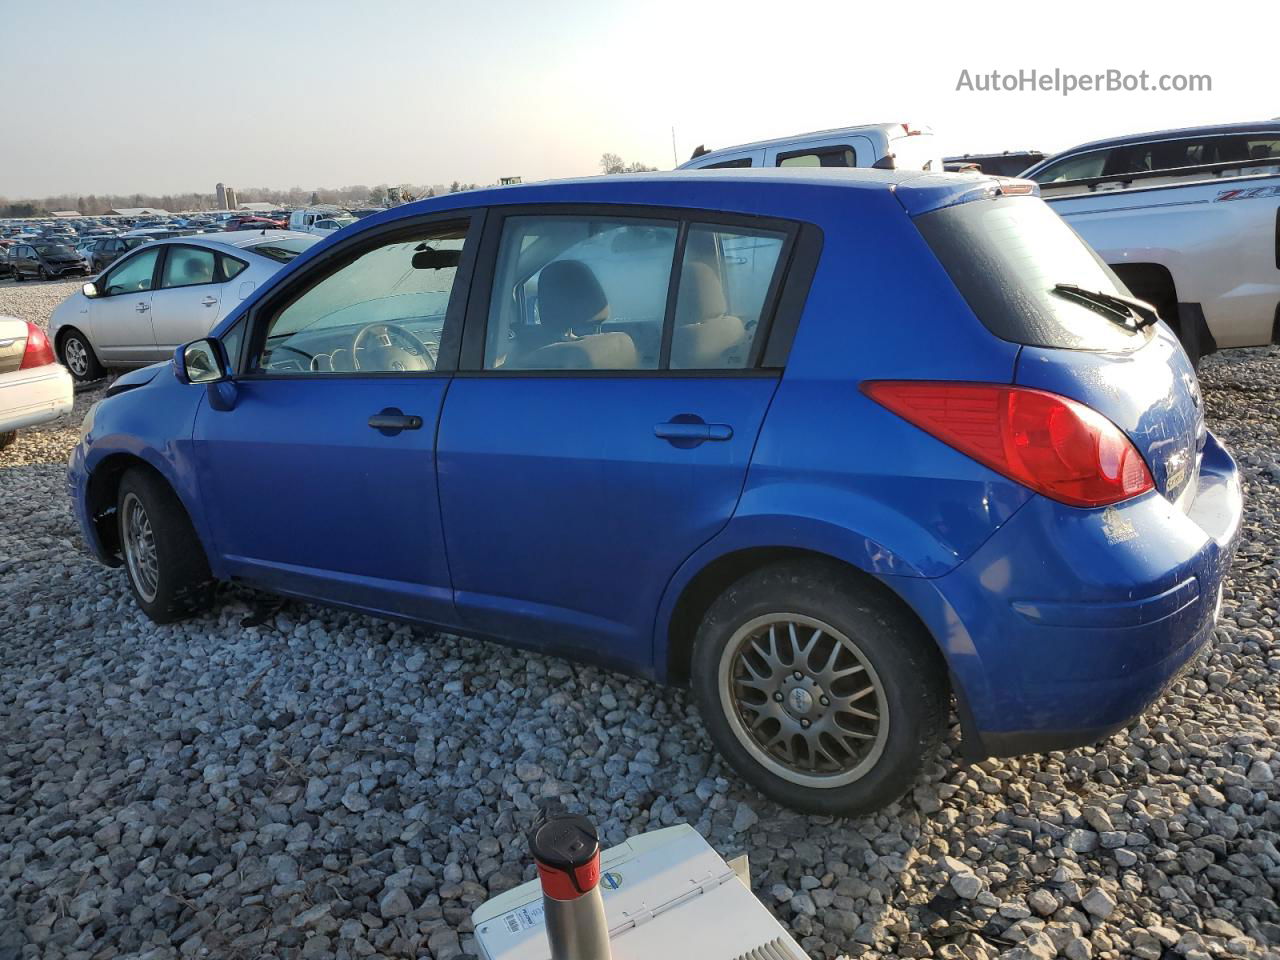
x: 585, y: 293
x: 839, y: 156
x: 188, y: 267
x: 1007, y: 255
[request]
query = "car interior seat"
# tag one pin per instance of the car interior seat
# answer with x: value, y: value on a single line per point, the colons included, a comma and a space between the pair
x: 572, y: 305
x: 197, y: 270
x: 705, y: 337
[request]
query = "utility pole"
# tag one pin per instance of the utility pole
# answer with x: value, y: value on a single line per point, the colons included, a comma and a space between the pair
x: 675, y: 158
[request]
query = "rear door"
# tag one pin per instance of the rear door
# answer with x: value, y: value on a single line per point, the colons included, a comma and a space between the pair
x: 121, y: 313
x: 602, y: 423
x: 188, y: 301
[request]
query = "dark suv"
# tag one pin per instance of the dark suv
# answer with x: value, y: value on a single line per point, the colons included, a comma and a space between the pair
x: 45, y: 260
x: 107, y: 250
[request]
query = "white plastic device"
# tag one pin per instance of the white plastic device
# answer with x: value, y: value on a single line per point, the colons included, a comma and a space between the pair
x: 667, y: 896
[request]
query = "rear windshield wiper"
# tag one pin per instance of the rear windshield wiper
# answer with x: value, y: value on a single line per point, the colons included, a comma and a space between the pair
x: 1126, y: 311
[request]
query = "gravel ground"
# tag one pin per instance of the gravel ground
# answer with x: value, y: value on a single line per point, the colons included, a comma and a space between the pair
x: 335, y: 785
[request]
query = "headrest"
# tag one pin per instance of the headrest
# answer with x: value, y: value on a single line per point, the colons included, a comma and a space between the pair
x: 701, y: 294
x: 570, y: 297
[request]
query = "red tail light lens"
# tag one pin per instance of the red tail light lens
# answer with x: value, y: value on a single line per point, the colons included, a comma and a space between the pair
x: 1055, y: 446
x: 38, y: 353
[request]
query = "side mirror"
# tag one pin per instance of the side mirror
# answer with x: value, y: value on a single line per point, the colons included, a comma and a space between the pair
x: 89, y: 289
x: 202, y: 361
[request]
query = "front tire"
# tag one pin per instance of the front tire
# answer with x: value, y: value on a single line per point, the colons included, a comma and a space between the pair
x: 822, y: 692
x: 7, y: 438
x: 79, y: 358
x: 167, y: 568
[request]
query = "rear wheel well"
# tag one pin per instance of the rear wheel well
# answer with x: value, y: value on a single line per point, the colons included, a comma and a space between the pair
x: 1153, y: 283
x: 703, y: 590
x: 102, y: 494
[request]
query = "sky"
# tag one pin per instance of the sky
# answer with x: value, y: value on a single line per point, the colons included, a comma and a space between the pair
x: 160, y: 96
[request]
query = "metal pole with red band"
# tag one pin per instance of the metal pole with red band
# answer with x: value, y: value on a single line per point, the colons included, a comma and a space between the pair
x: 566, y: 849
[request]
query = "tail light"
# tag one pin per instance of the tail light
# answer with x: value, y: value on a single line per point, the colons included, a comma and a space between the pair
x: 1055, y: 446
x: 38, y: 353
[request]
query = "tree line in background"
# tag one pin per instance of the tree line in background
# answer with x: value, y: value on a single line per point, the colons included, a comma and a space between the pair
x: 355, y: 196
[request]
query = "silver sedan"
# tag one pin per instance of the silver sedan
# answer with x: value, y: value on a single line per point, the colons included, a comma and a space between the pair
x: 164, y: 294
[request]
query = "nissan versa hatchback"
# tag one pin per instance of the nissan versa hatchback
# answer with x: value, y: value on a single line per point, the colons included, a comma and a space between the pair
x: 832, y: 448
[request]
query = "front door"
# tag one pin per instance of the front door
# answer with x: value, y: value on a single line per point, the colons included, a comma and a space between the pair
x: 320, y: 472
x: 605, y: 430
x: 121, y: 313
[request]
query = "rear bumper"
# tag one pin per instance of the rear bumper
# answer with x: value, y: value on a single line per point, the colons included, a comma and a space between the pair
x: 28, y: 397
x: 1068, y: 623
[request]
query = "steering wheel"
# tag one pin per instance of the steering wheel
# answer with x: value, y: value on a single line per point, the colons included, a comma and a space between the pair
x: 388, y: 347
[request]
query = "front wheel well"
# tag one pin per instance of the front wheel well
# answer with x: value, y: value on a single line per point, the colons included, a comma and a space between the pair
x: 710, y: 582
x: 61, y: 339
x: 102, y: 494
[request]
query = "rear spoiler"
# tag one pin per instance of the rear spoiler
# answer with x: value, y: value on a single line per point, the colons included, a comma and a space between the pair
x: 1211, y: 169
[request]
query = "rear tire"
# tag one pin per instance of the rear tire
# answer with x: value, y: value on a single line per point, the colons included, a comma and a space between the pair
x: 7, y: 438
x: 166, y: 564
x: 78, y: 357
x: 835, y: 722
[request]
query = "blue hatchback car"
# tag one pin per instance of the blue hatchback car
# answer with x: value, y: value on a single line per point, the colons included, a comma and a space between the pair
x: 831, y: 448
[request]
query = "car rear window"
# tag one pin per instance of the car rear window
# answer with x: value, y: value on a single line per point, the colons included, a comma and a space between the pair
x: 284, y: 250
x: 1006, y: 256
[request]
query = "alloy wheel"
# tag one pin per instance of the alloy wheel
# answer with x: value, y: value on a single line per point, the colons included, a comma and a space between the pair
x: 803, y: 699
x: 77, y: 356
x: 140, y: 548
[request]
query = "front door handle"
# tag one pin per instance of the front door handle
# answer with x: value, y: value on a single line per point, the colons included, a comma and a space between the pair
x: 142, y: 307
x: 391, y: 421
x: 688, y: 430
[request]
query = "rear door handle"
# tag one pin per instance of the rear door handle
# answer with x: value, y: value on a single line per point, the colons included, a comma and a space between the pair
x: 142, y: 308
x: 691, y: 432
x: 392, y: 421
x: 210, y: 301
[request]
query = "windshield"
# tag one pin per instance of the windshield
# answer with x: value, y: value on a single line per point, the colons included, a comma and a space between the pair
x: 1011, y: 257
x: 284, y: 250
x: 54, y: 250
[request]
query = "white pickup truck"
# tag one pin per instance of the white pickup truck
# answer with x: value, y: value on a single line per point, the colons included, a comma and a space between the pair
x: 885, y: 146
x: 1198, y: 240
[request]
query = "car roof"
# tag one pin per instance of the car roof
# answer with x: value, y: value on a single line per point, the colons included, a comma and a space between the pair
x: 1216, y: 130
x: 730, y: 190
x: 235, y: 239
